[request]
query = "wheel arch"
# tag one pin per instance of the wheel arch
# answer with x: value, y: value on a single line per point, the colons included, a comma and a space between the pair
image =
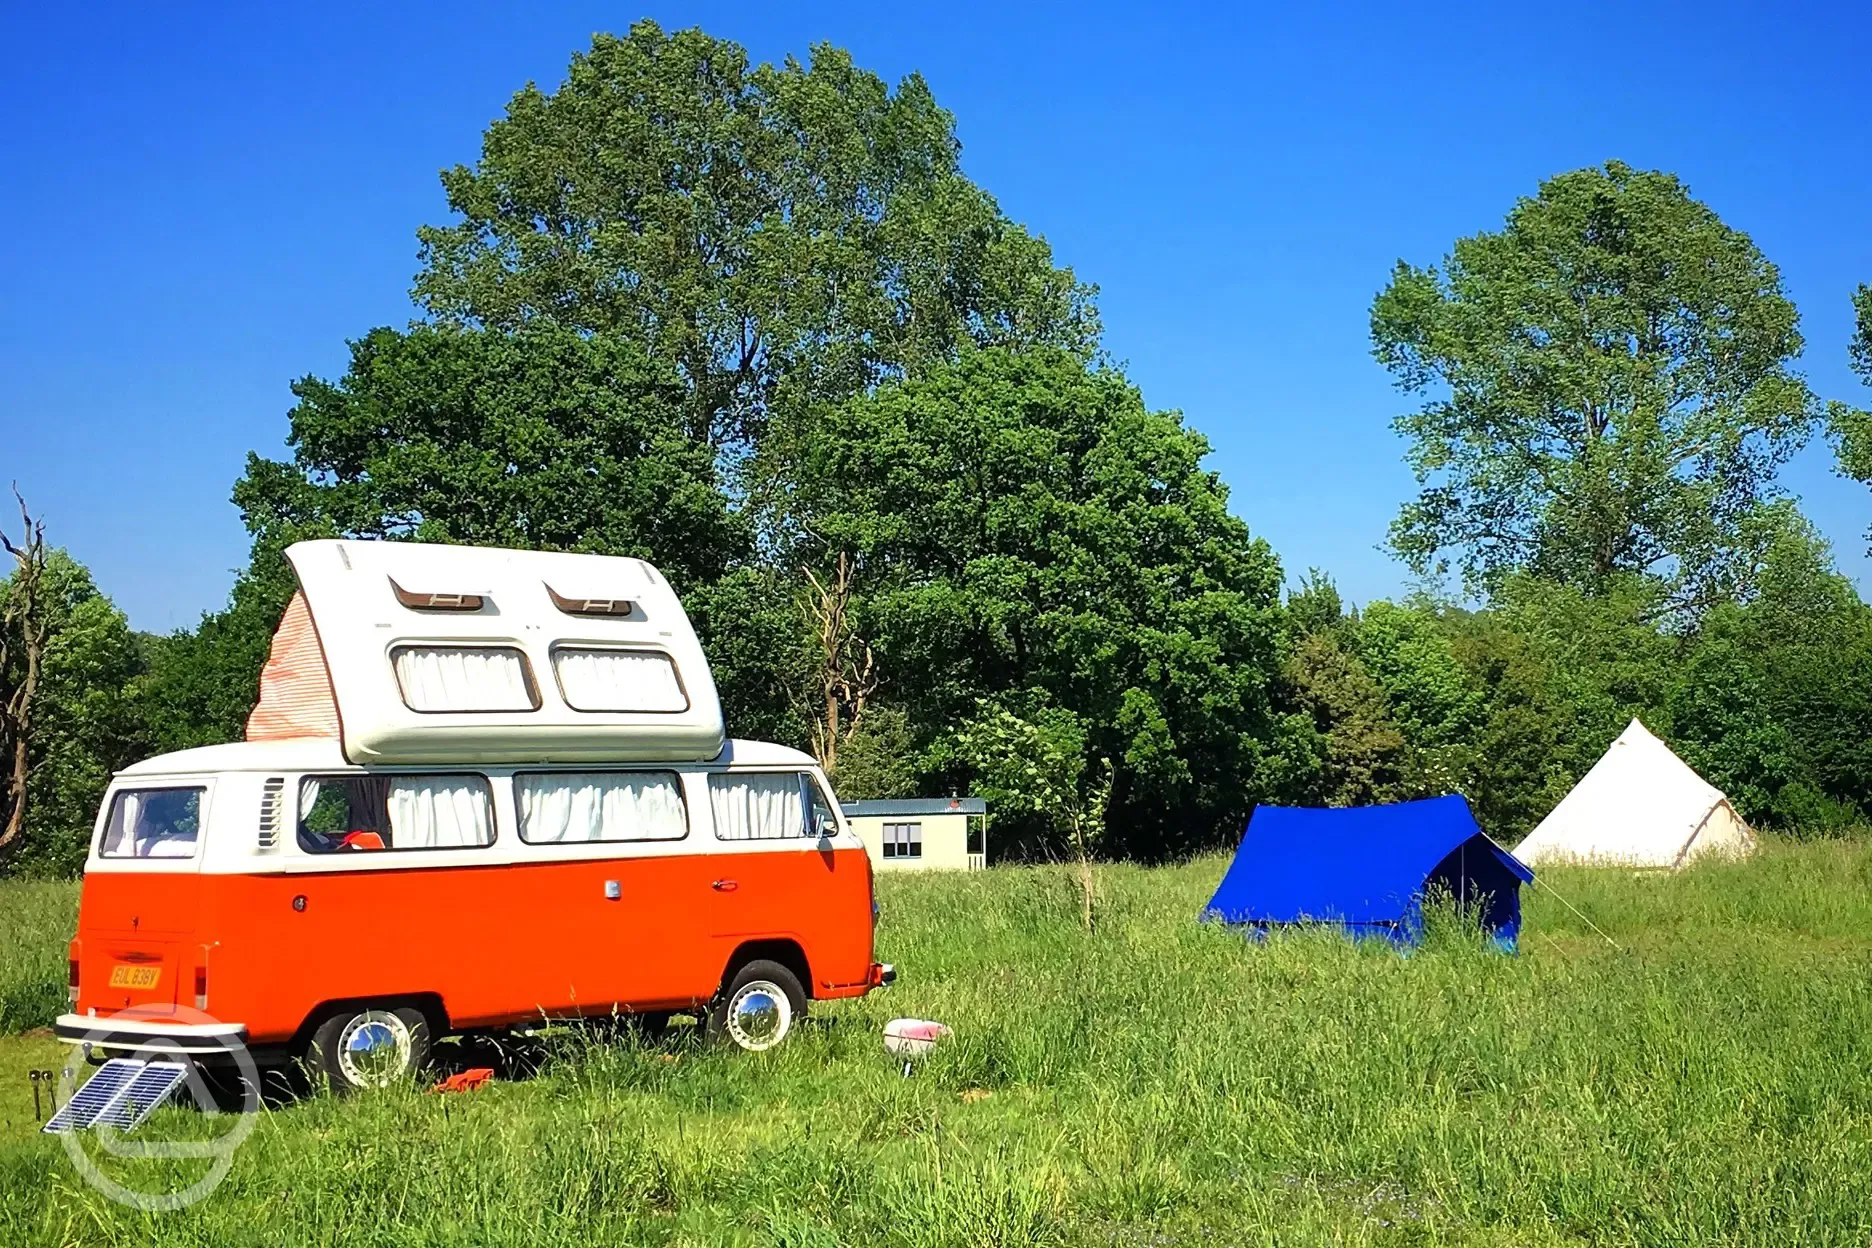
x: 785, y: 950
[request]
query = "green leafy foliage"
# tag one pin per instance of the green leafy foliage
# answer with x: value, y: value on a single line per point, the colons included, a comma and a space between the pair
x: 542, y: 439
x: 1511, y: 704
x: 1355, y: 751
x: 752, y: 322
x: 774, y: 234
x: 1029, y: 533
x: 879, y: 759
x: 1609, y: 389
x: 87, y: 719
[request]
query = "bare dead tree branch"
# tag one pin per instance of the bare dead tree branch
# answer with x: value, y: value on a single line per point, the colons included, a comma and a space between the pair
x: 848, y: 674
x: 24, y: 623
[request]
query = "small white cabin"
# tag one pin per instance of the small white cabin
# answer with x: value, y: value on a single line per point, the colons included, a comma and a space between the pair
x: 922, y: 833
x: 411, y: 653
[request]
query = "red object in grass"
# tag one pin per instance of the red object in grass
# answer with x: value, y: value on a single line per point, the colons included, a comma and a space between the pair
x: 362, y: 840
x: 466, y: 1081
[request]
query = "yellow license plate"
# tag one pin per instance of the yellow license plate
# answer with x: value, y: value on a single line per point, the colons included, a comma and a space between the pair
x: 135, y: 976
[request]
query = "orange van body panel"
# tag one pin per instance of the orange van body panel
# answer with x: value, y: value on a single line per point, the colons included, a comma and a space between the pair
x: 498, y: 944
x: 129, y: 924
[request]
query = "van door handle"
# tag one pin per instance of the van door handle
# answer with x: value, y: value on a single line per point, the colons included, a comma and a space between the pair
x: 724, y: 886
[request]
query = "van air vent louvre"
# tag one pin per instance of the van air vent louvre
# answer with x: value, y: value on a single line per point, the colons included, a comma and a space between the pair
x: 272, y: 797
x: 590, y: 606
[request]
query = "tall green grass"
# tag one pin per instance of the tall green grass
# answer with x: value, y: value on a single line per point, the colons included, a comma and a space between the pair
x: 1700, y: 1077
x: 37, y: 919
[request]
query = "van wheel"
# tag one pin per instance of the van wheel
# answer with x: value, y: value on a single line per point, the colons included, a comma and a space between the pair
x: 763, y: 1003
x: 356, y: 1050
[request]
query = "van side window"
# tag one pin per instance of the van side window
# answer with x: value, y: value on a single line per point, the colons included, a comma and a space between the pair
x: 824, y: 815
x: 438, y: 679
x: 153, y: 823
x: 596, y: 679
x: 758, y: 806
x: 573, y: 806
x: 362, y: 813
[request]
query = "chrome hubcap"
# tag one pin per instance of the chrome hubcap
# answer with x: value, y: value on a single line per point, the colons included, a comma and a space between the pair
x: 374, y: 1049
x: 760, y: 1016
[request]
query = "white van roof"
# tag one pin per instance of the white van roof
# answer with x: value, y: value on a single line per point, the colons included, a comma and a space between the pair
x: 313, y: 754
x: 415, y: 653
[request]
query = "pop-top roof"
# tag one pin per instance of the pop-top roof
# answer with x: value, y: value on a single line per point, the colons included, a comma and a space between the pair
x: 423, y: 653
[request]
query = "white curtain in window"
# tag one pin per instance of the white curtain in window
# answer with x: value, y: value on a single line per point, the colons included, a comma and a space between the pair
x: 439, y: 812
x: 601, y: 806
x: 618, y: 680
x: 757, y: 807
x: 463, y: 678
x: 308, y: 797
x: 120, y: 833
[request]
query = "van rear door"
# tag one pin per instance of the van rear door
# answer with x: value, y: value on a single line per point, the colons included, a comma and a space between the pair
x: 138, y: 912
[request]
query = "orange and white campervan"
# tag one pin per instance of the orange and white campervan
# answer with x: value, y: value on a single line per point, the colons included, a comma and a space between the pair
x: 481, y: 788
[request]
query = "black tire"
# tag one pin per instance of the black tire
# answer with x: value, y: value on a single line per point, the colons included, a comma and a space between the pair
x: 337, y: 1059
x: 745, y: 1029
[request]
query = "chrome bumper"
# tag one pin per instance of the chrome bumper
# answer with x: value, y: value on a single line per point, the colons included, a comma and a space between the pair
x: 146, y: 1033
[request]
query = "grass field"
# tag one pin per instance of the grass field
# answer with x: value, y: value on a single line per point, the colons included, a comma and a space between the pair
x: 1156, y: 1083
x: 36, y: 920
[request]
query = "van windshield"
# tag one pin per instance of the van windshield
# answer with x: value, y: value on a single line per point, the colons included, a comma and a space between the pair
x: 153, y: 823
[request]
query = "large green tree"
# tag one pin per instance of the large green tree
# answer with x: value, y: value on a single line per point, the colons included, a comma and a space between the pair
x: 648, y: 264
x: 541, y: 439
x: 771, y: 233
x: 1028, y: 534
x: 1608, y: 390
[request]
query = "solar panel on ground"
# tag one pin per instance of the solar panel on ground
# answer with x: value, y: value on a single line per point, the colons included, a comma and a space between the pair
x: 99, y: 1093
x: 151, y: 1087
x: 121, y: 1094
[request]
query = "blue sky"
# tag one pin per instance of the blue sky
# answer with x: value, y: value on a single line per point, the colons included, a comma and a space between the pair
x: 201, y: 205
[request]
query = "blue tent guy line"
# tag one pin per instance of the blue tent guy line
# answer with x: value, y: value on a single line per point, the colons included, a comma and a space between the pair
x: 1367, y: 869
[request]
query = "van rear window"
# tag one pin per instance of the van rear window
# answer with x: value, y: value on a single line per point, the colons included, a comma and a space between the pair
x: 359, y: 813
x: 153, y: 823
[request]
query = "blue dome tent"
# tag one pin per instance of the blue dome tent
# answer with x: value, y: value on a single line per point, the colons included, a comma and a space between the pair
x: 1368, y: 868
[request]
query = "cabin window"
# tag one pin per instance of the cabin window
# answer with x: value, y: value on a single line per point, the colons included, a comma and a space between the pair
x: 823, y: 812
x: 593, y: 679
x: 153, y: 823
x: 355, y: 814
x: 439, y: 679
x: 903, y: 840
x: 581, y: 806
x: 758, y: 806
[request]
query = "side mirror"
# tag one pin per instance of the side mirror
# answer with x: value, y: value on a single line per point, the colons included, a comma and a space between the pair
x: 826, y: 828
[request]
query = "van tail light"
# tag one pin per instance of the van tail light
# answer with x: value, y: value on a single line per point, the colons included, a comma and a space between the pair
x: 201, y: 988
x: 71, y: 991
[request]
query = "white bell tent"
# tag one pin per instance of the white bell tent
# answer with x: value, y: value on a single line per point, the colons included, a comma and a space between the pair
x: 1639, y: 806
